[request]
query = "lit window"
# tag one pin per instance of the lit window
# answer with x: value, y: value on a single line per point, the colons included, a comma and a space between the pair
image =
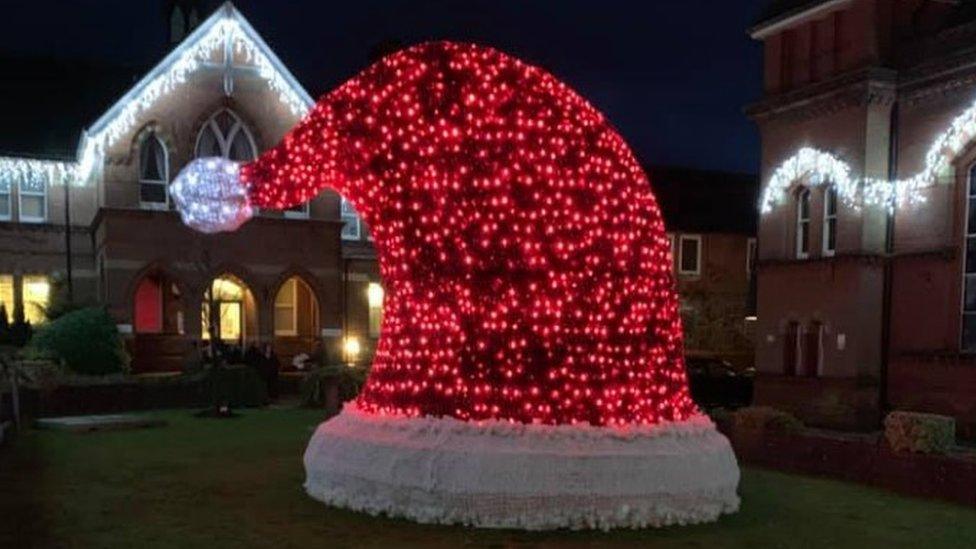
x: 286, y: 310
x: 4, y: 200
x: 153, y: 173
x: 224, y: 134
x: 374, y: 296
x: 352, y: 229
x: 7, y: 295
x: 37, y: 293
x: 830, y: 221
x: 33, y: 201
x: 228, y: 295
x: 690, y: 261
x: 803, y: 224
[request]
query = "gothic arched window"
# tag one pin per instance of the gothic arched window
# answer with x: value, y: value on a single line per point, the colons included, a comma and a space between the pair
x: 153, y: 173
x: 224, y: 134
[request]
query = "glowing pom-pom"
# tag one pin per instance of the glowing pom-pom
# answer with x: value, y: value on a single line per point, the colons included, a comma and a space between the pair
x: 210, y: 196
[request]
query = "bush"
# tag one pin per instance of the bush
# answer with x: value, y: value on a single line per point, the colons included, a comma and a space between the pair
x: 86, y: 340
x: 766, y: 418
x: 235, y: 386
x: 349, y: 379
x: 918, y: 432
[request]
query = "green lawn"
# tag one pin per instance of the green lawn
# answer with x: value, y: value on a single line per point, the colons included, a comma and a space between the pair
x: 237, y: 483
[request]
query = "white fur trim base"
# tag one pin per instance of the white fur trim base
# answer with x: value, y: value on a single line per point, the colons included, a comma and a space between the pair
x: 532, y: 477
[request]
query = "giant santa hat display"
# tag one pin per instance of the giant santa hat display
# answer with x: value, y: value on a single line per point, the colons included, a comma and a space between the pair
x: 530, y: 371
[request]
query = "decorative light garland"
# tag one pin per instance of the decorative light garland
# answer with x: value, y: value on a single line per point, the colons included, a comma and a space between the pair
x: 226, y: 27
x: 821, y: 167
x: 209, y: 195
x: 527, y: 271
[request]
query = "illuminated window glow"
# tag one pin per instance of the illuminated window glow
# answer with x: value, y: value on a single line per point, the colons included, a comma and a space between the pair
x: 229, y: 297
x: 7, y: 294
x: 374, y: 298
x: 36, y: 295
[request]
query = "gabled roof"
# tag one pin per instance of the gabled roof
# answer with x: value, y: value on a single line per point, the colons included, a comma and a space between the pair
x: 226, y: 29
x: 703, y: 201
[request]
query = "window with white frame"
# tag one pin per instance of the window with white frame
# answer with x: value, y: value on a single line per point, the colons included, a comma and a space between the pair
x: 803, y: 224
x: 690, y: 247
x: 153, y: 173
x: 969, y: 269
x: 225, y: 134
x: 352, y: 230
x: 830, y: 221
x: 286, y: 309
x: 32, y: 196
x: 5, y: 200
x: 751, y: 249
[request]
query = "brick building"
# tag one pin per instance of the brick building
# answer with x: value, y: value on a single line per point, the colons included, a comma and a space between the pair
x: 291, y: 278
x: 711, y: 220
x: 866, y: 297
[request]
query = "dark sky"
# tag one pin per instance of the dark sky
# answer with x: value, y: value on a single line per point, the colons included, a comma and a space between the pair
x: 672, y: 75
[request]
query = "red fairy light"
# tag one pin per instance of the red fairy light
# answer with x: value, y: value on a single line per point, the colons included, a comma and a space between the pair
x: 528, y: 275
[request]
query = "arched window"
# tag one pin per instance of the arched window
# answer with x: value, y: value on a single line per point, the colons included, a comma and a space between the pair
x: 830, y: 221
x: 153, y: 173
x: 224, y: 134
x: 803, y: 224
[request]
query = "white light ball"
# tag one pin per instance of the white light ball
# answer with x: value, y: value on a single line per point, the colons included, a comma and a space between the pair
x: 210, y: 196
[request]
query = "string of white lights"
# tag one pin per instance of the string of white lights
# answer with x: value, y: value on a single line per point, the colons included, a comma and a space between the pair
x: 818, y: 167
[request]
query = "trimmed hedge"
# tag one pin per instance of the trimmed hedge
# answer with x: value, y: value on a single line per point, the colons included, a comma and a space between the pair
x: 87, y: 340
x: 766, y: 418
x: 920, y: 433
x: 236, y: 386
x: 348, y: 379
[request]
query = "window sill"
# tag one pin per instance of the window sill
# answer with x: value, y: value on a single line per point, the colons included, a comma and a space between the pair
x: 154, y: 206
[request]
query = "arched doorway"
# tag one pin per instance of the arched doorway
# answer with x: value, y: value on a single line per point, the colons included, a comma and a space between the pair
x: 296, y: 321
x: 157, y: 324
x: 228, y: 312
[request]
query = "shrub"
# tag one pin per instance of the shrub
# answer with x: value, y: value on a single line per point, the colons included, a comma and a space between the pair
x: 918, y: 432
x: 86, y: 340
x: 349, y: 379
x: 19, y: 332
x: 60, y: 303
x: 766, y: 418
x: 235, y: 386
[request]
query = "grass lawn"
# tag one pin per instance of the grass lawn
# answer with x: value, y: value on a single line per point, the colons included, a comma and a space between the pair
x: 237, y: 483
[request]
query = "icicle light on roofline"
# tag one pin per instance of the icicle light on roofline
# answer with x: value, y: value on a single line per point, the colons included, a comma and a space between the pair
x: 29, y: 170
x: 188, y: 59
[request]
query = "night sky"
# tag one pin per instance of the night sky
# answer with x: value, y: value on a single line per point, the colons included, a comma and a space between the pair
x: 672, y: 75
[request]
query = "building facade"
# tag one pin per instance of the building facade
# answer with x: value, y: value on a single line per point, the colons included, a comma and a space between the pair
x: 711, y: 221
x: 864, y: 294
x: 296, y: 278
